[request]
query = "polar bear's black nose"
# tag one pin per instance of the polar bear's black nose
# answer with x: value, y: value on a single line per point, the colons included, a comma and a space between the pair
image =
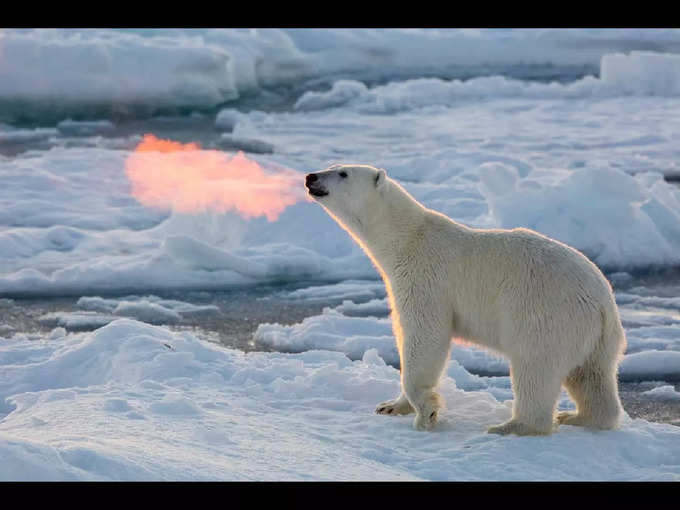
x: 310, y: 179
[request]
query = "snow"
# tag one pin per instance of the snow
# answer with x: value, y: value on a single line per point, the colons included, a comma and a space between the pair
x: 131, y: 401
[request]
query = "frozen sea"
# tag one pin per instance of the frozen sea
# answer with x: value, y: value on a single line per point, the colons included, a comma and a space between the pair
x: 222, y: 342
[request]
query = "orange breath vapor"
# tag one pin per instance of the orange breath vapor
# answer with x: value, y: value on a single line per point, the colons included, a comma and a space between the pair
x: 174, y: 176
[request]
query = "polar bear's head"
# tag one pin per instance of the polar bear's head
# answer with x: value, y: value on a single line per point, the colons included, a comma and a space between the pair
x: 351, y: 193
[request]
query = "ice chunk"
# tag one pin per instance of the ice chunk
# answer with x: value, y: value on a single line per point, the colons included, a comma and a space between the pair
x: 145, y: 311
x: 642, y: 72
x: 599, y: 211
x: 234, y: 143
x: 651, y: 365
x: 349, y: 289
x: 665, y: 392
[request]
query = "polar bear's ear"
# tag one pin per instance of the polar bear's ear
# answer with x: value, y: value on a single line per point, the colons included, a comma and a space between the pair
x: 380, y: 178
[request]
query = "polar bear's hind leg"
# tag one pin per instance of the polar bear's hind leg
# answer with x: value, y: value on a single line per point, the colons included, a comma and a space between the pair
x: 594, y: 390
x: 593, y: 386
x: 536, y: 392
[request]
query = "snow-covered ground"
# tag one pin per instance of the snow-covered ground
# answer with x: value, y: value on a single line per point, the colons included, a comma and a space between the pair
x: 131, y: 401
x: 574, y: 133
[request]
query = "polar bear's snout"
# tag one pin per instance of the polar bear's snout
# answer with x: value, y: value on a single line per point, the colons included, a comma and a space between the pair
x: 313, y: 184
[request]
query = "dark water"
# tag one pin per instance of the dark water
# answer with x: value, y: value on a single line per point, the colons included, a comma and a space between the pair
x: 240, y: 311
x: 237, y: 316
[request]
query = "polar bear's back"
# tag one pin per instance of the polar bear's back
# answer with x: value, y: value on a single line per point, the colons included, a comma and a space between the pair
x: 546, y: 260
x: 534, y: 268
x: 505, y: 280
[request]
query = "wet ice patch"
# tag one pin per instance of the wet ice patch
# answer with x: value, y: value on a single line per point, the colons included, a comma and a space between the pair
x: 76, y: 321
x: 640, y: 301
x: 97, y: 311
x: 97, y: 303
x: 25, y: 136
x: 70, y: 127
x: 356, y: 290
x: 372, y: 308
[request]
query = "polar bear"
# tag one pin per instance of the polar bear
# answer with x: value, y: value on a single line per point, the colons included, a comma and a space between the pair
x: 538, y: 302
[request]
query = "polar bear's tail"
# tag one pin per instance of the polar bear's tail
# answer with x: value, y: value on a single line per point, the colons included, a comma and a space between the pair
x: 612, y: 344
x: 613, y: 335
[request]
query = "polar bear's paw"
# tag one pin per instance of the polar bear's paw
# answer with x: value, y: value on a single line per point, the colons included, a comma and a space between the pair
x: 580, y: 420
x: 427, y: 416
x: 395, y: 407
x: 518, y: 428
x: 426, y: 421
x: 569, y: 418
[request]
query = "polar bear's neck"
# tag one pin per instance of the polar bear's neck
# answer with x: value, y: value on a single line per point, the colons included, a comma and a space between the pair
x: 390, y: 228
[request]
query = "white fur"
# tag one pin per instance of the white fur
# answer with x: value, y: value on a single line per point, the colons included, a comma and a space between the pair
x: 538, y: 302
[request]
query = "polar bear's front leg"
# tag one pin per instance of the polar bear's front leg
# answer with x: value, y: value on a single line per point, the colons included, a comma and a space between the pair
x: 423, y: 359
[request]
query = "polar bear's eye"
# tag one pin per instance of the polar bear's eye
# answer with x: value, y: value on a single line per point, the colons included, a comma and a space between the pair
x: 343, y: 174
